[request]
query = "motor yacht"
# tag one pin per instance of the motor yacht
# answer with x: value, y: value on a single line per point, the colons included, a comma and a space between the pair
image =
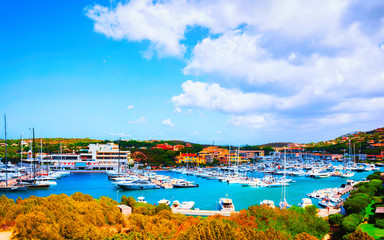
x: 185, y: 184
x: 137, y: 185
x: 226, y: 205
x: 305, y: 202
x: 164, y: 201
x: 186, y: 205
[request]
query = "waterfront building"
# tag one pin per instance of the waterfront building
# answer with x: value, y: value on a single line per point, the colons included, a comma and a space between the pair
x: 190, y: 158
x: 98, y: 157
x: 233, y: 157
x: 251, y: 154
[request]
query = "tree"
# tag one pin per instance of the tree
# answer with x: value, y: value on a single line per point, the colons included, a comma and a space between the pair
x: 359, y: 235
x: 129, y: 201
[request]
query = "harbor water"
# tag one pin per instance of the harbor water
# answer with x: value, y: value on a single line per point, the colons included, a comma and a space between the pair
x: 206, y: 196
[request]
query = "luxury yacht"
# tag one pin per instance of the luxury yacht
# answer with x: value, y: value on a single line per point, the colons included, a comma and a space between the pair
x: 137, y: 185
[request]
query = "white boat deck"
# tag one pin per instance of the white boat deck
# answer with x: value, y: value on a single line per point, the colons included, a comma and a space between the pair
x: 199, y: 212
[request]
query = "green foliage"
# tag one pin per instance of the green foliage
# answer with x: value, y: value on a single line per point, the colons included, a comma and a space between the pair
x: 375, y: 175
x: 162, y: 207
x: 350, y: 222
x: 356, y: 203
x: 379, y: 223
x: 129, y: 201
x: 335, y: 219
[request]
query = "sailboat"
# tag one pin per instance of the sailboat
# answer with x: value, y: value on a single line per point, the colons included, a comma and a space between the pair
x: 8, y: 187
x: 35, y: 184
x: 283, y: 203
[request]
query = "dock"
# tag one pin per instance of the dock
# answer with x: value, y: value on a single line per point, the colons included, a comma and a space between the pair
x: 198, y: 212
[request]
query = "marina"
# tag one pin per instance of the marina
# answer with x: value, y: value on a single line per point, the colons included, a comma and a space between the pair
x: 206, y: 195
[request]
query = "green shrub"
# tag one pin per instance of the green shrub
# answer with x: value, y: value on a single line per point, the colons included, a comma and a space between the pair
x: 379, y: 223
x: 356, y: 203
x: 130, y: 201
x: 161, y: 207
x: 335, y: 219
x: 350, y: 222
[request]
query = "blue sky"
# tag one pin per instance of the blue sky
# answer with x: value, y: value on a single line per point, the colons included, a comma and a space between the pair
x: 232, y: 72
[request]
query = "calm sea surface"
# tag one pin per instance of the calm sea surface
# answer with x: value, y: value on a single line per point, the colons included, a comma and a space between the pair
x: 206, y: 196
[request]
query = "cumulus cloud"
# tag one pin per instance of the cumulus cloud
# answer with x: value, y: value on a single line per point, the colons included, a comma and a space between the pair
x: 268, y: 61
x: 141, y: 120
x: 130, y: 107
x: 168, y: 122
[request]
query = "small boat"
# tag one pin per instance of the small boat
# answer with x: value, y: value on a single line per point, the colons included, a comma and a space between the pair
x: 326, y: 202
x: 185, y: 184
x: 305, y: 202
x: 268, y: 203
x: 347, y: 174
x: 284, y: 205
x: 38, y: 185
x: 164, y: 201
x: 141, y: 199
x: 226, y: 205
x: 278, y: 184
x: 137, y: 185
x: 321, y: 175
x: 12, y: 188
x: 186, y: 205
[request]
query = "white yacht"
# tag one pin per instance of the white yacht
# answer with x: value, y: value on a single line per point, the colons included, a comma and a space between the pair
x: 226, y: 205
x: 326, y: 202
x: 347, y: 174
x: 305, y: 202
x: 186, y: 205
x: 141, y: 199
x: 137, y: 185
x: 164, y: 201
x: 268, y: 203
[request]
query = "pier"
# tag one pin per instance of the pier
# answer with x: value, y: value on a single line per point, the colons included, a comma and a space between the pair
x: 198, y: 212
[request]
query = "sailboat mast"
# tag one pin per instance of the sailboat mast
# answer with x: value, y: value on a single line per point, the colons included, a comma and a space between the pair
x: 61, y: 156
x: 229, y: 156
x: 6, y: 159
x: 33, y: 157
x: 21, y: 150
x: 118, y: 167
x: 285, y: 162
x: 41, y: 153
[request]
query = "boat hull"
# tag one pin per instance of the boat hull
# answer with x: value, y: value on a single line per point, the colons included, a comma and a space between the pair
x: 138, y: 187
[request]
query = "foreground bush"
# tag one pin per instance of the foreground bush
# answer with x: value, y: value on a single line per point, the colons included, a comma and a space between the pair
x: 63, y: 217
x: 359, y: 235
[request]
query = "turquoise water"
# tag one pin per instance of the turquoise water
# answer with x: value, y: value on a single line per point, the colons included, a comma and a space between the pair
x: 206, y: 196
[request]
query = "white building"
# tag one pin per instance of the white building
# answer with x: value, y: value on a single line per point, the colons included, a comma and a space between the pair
x: 99, y: 157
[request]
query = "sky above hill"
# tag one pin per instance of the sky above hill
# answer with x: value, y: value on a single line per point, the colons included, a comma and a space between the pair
x: 229, y: 72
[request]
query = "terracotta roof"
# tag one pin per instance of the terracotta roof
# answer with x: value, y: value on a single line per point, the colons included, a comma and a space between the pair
x: 379, y: 210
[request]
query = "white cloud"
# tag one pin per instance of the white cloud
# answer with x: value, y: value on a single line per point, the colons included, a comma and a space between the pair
x: 130, y: 107
x: 218, y: 131
x: 268, y: 61
x: 120, y: 134
x: 251, y: 120
x: 168, y: 122
x: 141, y: 120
